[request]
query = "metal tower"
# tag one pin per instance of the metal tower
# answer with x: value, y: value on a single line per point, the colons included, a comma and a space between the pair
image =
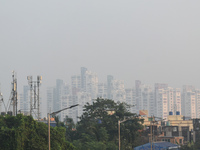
x: 12, y: 103
x: 35, y: 96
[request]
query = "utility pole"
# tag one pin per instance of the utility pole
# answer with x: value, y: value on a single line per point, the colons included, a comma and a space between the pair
x: 119, y: 132
x: 151, y: 131
x: 119, y: 122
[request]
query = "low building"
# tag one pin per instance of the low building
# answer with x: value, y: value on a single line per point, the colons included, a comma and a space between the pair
x: 158, y: 146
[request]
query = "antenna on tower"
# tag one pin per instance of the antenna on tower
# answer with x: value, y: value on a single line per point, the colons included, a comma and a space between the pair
x: 13, y: 96
x: 35, y: 95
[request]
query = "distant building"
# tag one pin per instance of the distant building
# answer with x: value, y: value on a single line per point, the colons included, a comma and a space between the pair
x: 109, y: 86
x: 131, y: 100
x: 102, y: 90
x: 83, y: 79
x: 24, y: 105
x: 189, y: 101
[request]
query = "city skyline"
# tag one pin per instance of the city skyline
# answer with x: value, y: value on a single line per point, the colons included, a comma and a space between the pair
x: 152, y: 41
x: 99, y: 85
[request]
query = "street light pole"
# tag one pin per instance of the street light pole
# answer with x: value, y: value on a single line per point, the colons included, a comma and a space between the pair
x: 119, y: 132
x: 49, y: 131
x: 54, y: 113
x: 119, y: 122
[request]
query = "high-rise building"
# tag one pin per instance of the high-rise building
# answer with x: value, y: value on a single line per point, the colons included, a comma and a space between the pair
x: 82, y: 98
x: 83, y: 79
x: 188, y: 101
x: 197, y: 96
x: 92, y: 84
x: 118, y: 91
x: 130, y: 99
x: 109, y: 86
x: 76, y: 84
x: 177, y: 100
x: 147, y: 99
x: 102, y: 90
x: 25, y: 101
x: 162, y: 103
x: 50, y: 99
x: 138, y: 95
x: 156, y: 93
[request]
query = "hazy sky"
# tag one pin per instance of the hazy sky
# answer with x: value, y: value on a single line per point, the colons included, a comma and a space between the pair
x: 154, y: 41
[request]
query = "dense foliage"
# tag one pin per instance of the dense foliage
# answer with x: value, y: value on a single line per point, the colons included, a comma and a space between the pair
x: 98, y: 129
x: 24, y: 133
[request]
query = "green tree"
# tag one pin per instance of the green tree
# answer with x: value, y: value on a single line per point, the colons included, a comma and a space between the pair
x: 98, y: 128
x: 24, y: 133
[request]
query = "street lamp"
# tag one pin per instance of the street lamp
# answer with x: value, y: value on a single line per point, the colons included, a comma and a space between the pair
x: 119, y: 122
x: 53, y: 114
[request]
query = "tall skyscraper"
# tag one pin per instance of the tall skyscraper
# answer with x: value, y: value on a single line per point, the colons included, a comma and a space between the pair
x: 50, y: 99
x: 76, y: 84
x: 197, y: 96
x: 177, y: 100
x: 118, y: 91
x: 109, y: 86
x: 83, y: 78
x: 25, y: 101
x: 138, y: 95
x: 147, y: 99
x: 189, y: 101
x: 91, y: 84
x: 158, y: 86
x: 131, y: 100
x: 162, y: 103
x: 102, y: 90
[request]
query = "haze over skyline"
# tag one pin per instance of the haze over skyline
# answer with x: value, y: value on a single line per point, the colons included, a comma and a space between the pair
x: 153, y: 41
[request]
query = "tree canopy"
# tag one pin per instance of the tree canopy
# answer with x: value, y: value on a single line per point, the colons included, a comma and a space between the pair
x: 98, y: 126
x: 24, y: 133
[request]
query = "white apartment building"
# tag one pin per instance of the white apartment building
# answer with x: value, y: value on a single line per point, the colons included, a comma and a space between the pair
x: 147, y: 99
x: 189, y: 101
x: 130, y: 99
x: 92, y: 84
x: 24, y: 99
x: 118, y: 91
x: 50, y: 98
x: 177, y: 100
x: 197, y: 95
x: 102, y: 90
x: 82, y: 98
x: 162, y: 103
x: 76, y: 84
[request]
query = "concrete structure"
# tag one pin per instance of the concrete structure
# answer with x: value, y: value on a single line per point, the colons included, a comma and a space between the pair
x: 91, y: 84
x: 157, y: 87
x: 197, y: 97
x: 131, y: 100
x: 109, y: 86
x: 25, y: 101
x: 189, y: 101
x: 118, y: 91
x: 102, y: 90
x: 83, y: 79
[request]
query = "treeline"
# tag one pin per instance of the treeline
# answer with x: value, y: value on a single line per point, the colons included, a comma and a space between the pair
x: 24, y: 133
x: 96, y: 130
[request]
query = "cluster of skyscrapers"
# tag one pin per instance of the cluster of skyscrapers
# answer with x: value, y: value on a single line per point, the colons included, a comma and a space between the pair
x: 160, y: 100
